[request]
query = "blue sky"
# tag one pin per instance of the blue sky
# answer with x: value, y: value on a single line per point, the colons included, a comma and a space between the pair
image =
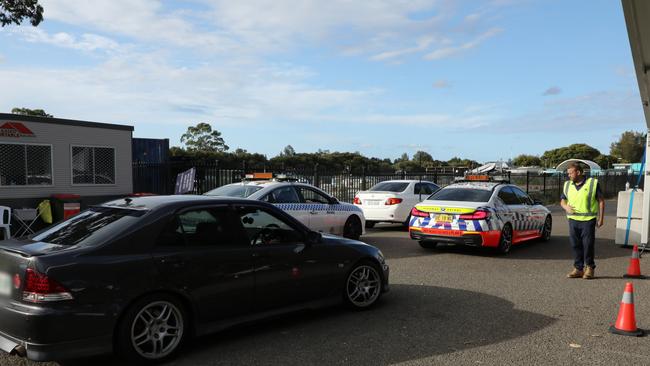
x: 484, y: 80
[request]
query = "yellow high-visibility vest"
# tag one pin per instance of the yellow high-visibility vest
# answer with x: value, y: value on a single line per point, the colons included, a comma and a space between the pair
x: 585, y: 205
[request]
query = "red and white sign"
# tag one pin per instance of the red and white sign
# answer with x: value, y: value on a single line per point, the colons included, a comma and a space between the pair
x: 15, y: 129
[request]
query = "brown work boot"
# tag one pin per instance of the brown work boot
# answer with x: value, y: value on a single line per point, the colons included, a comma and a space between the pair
x: 589, y: 273
x: 576, y: 273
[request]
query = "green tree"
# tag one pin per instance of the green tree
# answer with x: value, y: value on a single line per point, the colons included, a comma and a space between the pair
x: 458, y: 162
x: 422, y: 157
x: 527, y: 160
x: 576, y: 151
x: 31, y: 112
x: 629, y: 146
x: 288, y: 151
x: 606, y: 161
x: 15, y: 11
x: 202, y: 138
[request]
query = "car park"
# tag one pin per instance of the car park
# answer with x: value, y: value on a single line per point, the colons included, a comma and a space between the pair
x: 392, y: 201
x: 314, y: 208
x: 142, y: 275
x: 480, y: 213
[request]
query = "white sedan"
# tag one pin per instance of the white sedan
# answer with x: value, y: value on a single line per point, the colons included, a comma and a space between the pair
x: 310, y: 205
x: 392, y: 200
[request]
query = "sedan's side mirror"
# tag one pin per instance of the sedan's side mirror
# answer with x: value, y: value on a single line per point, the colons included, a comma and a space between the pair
x: 314, y: 237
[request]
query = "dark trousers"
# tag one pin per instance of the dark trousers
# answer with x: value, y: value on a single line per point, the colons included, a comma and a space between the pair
x: 582, y: 235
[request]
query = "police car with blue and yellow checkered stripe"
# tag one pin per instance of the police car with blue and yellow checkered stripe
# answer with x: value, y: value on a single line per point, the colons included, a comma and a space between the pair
x: 310, y: 205
x: 479, y: 212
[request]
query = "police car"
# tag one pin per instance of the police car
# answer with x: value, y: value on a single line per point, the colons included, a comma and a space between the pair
x: 481, y: 213
x: 310, y: 205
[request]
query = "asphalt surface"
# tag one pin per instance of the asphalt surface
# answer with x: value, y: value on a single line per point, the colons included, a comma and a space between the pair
x: 452, y: 306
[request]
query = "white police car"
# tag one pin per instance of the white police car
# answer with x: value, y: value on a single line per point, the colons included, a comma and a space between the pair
x: 487, y: 214
x: 310, y: 205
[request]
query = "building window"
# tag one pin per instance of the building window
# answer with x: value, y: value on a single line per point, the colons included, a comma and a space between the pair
x: 25, y: 165
x: 93, y: 165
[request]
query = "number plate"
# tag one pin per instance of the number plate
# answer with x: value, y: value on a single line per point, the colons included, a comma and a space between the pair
x: 445, y: 218
x: 5, y: 284
x: 372, y: 202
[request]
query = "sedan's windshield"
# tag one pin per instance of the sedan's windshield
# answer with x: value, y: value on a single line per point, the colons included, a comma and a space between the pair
x: 389, y: 187
x: 462, y: 194
x: 90, y: 227
x: 234, y: 191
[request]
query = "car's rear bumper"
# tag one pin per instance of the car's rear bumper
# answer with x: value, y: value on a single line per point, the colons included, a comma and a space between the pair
x: 48, y: 334
x: 459, y: 237
x: 392, y: 213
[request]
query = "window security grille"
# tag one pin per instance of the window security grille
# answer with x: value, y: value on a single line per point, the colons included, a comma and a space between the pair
x: 25, y: 165
x: 93, y: 165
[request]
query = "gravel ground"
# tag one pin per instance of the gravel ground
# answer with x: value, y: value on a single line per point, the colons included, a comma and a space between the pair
x: 452, y: 306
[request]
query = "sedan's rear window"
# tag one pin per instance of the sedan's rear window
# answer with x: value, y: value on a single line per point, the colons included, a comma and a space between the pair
x: 462, y: 194
x: 234, y: 191
x: 90, y: 227
x: 389, y: 187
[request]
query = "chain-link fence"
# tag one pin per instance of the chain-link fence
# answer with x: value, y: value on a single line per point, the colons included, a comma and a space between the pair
x: 160, y: 178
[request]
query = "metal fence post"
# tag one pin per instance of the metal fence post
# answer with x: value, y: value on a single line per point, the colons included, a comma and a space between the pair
x: 544, y: 185
x: 316, y: 182
x: 527, y: 179
x: 363, y: 178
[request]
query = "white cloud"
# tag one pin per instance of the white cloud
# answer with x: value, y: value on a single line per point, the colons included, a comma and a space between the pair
x: 376, y: 29
x: 453, y: 50
x: 86, y: 42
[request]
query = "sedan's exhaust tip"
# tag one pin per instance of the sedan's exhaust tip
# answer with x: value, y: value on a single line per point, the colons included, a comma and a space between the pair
x: 19, y: 350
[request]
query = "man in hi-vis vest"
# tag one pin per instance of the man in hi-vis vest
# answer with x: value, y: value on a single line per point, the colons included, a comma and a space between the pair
x: 584, y: 204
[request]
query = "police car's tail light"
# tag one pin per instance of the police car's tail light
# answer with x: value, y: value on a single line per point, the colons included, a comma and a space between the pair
x: 357, y: 201
x: 393, y: 201
x: 41, y: 288
x: 417, y: 213
x: 477, y: 215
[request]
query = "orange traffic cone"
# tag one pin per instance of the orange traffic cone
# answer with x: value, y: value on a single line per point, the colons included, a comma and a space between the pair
x: 634, y: 269
x: 626, y: 322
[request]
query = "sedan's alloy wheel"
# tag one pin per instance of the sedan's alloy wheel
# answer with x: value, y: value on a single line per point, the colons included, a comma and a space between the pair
x: 157, y: 330
x: 363, y: 286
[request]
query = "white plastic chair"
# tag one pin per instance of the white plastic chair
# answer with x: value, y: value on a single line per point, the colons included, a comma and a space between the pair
x: 5, y: 221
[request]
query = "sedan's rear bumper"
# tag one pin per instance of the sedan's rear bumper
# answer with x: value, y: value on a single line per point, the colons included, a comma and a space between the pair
x: 57, y: 351
x: 458, y: 237
x: 49, y: 334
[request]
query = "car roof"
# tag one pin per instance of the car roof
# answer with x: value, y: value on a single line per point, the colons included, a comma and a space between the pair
x: 475, y: 185
x: 405, y: 181
x: 154, y: 202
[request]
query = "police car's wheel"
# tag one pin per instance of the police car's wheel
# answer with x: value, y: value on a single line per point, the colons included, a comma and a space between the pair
x: 505, y: 240
x: 352, y: 228
x: 428, y: 244
x: 547, y: 228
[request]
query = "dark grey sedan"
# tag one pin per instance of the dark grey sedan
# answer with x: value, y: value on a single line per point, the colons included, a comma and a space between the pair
x: 140, y: 276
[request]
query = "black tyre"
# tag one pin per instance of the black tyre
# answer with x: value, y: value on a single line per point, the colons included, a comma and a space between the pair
x: 152, y: 330
x: 352, y: 228
x: 505, y: 239
x: 370, y: 224
x: 547, y: 229
x: 428, y: 244
x: 363, y: 286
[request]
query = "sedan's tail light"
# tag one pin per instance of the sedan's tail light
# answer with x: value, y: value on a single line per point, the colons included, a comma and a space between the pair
x: 393, y: 201
x: 418, y: 213
x: 476, y: 215
x: 357, y: 201
x: 41, y: 288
